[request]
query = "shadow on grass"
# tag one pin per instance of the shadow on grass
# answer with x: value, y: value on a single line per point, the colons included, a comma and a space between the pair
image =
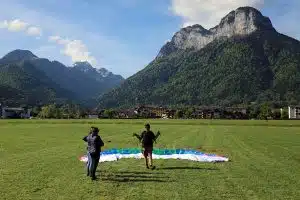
x: 132, y: 177
x: 139, y: 176
x: 131, y: 172
x: 125, y: 180
x: 189, y: 168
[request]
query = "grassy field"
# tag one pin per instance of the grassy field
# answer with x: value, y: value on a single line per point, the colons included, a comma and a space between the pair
x: 39, y: 160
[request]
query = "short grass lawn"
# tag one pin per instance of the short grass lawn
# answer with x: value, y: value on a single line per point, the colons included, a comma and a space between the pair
x: 39, y: 160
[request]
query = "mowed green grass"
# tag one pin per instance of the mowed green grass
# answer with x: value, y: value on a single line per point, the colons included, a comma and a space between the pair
x: 39, y: 160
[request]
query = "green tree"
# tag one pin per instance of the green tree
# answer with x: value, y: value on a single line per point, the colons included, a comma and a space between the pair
x: 71, y: 111
x: 284, y: 114
x: 45, y: 112
x: 265, y: 111
x: 56, y: 112
x: 253, y: 111
x: 276, y: 114
x: 188, y: 113
x: 110, y: 113
x: 179, y: 114
x: 50, y: 112
x: 35, y: 111
x: 83, y: 113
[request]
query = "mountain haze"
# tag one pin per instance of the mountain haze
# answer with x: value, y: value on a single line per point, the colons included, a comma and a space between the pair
x: 41, y: 81
x: 107, y: 78
x: 241, y: 60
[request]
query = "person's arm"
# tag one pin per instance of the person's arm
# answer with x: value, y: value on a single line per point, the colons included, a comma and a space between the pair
x: 85, y: 138
x: 100, y: 142
x: 139, y: 136
x: 156, y: 136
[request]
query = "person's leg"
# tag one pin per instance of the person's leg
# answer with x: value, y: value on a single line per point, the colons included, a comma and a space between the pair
x: 92, y: 164
x: 151, y: 159
x: 145, y: 153
x: 88, y: 164
x: 95, y: 162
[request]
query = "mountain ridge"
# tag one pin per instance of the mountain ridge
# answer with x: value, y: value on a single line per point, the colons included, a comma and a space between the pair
x: 256, y: 66
x: 77, y: 85
x: 17, y: 56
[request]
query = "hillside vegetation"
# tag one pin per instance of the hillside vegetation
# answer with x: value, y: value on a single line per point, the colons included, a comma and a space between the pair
x: 260, y: 67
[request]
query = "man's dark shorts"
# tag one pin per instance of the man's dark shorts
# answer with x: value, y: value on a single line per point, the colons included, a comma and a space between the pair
x: 147, y: 150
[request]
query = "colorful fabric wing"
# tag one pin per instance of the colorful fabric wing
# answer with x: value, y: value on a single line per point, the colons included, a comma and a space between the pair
x: 181, y: 154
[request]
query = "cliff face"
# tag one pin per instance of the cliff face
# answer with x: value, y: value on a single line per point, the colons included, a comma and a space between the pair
x: 241, y: 60
x: 243, y: 21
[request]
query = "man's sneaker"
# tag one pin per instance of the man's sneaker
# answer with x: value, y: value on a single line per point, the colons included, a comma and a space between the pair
x: 153, y: 167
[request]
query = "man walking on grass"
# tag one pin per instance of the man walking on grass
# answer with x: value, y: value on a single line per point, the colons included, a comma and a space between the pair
x: 147, y: 138
x: 94, y: 149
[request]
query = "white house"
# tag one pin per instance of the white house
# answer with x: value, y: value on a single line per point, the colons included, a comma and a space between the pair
x: 92, y: 116
x: 294, y: 112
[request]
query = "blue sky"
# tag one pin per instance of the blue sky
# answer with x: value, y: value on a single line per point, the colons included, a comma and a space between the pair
x: 120, y: 35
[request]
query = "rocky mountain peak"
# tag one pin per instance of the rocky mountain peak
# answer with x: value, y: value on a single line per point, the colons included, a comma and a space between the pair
x: 87, y: 68
x: 196, y: 28
x: 104, y: 72
x: 240, y: 22
x: 83, y: 66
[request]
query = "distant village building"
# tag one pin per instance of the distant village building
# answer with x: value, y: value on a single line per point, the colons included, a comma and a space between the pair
x: 91, y: 116
x: 294, y: 112
x: 15, y: 113
x: 94, y: 114
x: 171, y: 113
x: 242, y: 110
x: 152, y: 112
x: 127, y: 114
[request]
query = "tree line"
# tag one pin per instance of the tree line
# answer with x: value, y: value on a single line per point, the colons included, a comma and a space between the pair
x: 54, y: 111
x: 262, y: 112
x: 73, y: 111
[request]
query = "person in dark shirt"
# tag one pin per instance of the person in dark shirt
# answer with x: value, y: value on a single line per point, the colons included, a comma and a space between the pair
x: 147, y: 138
x: 95, y: 143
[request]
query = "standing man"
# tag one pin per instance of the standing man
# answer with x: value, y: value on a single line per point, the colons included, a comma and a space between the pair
x: 94, y: 149
x: 147, y: 138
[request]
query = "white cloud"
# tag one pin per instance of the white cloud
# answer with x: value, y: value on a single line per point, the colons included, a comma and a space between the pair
x: 123, y: 60
x: 14, y: 25
x: 18, y: 25
x: 34, y: 31
x: 208, y: 13
x: 75, y: 49
x: 58, y: 40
